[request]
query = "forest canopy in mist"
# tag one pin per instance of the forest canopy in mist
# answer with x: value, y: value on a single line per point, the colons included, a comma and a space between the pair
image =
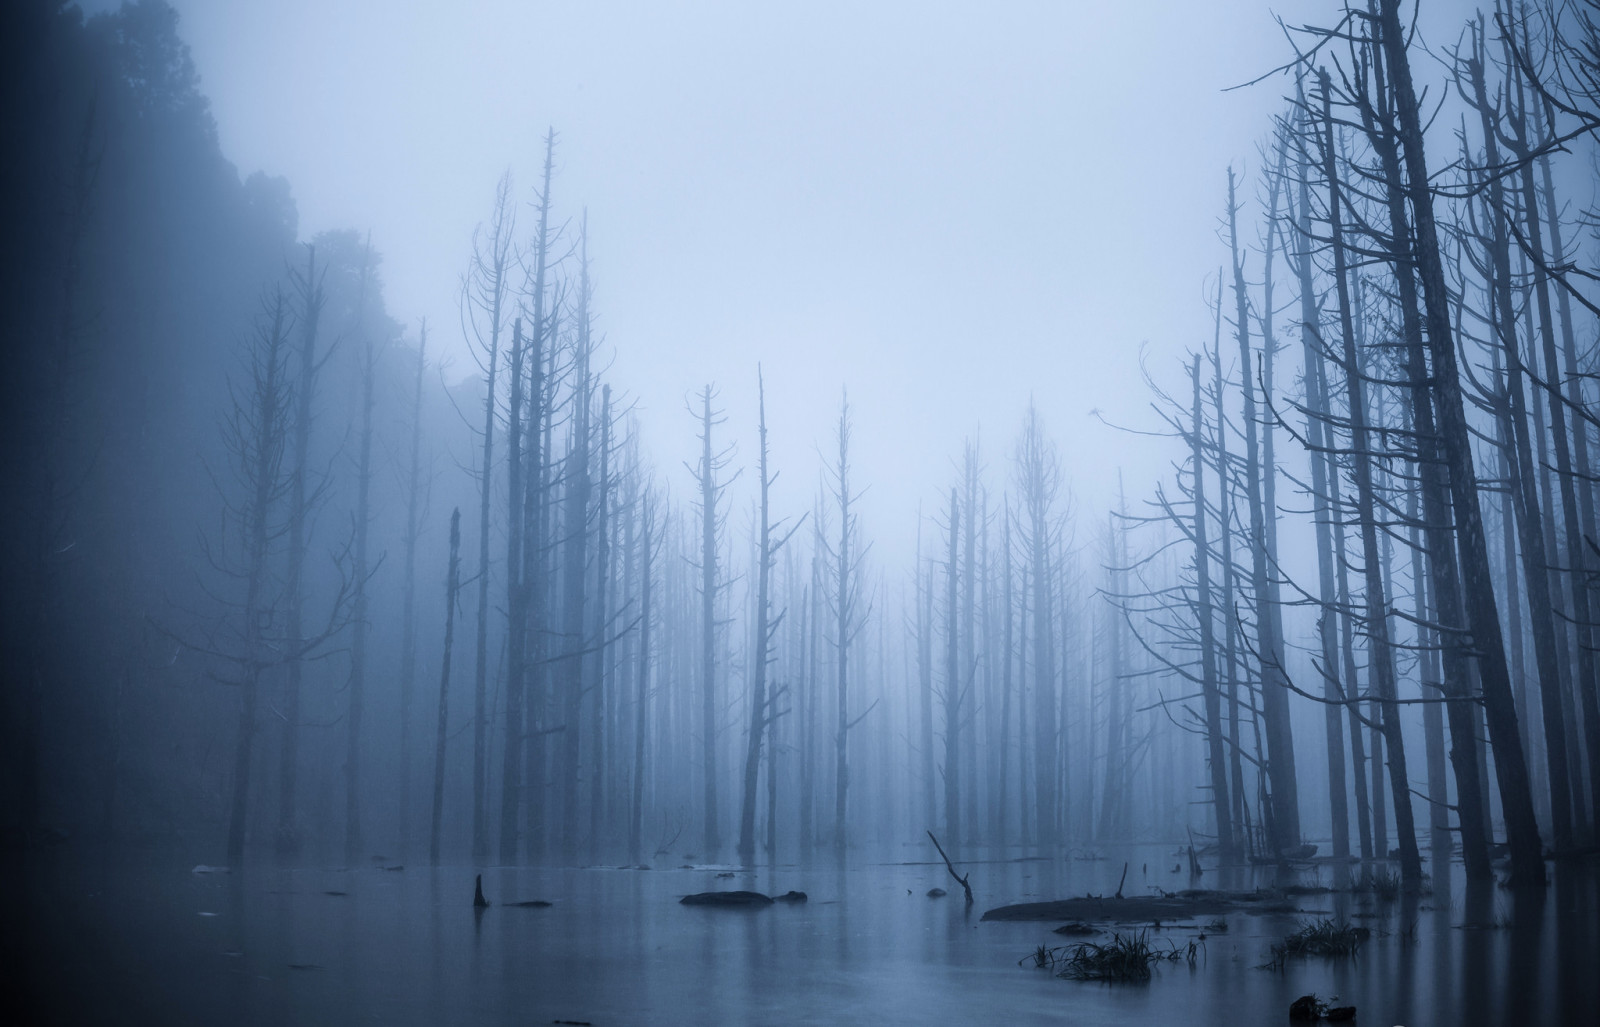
x: 290, y: 576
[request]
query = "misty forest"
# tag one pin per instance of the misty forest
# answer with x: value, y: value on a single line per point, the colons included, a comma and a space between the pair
x: 393, y: 632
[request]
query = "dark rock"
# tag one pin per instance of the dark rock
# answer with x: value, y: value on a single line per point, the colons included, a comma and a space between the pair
x: 936, y: 893
x: 1341, y: 1013
x: 338, y: 894
x: 1304, y: 1008
x: 792, y: 896
x: 726, y: 898
x: 530, y: 904
x: 727, y: 874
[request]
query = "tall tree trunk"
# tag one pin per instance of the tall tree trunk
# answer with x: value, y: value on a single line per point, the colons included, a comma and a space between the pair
x: 258, y: 437
x: 408, y: 610
x: 358, y: 644
x: 1274, y: 691
x: 311, y: 298
x: 1216, y: 759
x: 1576, y: 552
x: 489, y: 278
x: 574, y: 575
x: 709, y: 495
x: 760, y: 716
x: 1477, y: 583
x: 1525, y: 473
x: 641, y: 715
x: 953, y: 684
x: 452, y: 588
x: 1380, y: 649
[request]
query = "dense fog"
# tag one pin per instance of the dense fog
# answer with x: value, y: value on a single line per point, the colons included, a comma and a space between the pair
x: 579, y: 438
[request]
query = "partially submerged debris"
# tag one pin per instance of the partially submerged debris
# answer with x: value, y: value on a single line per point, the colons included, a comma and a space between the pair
x: 1076, y: 927
x: 960, y: 879
x: 937, y: 893
x: 1308, y: 1008
x: 478, y: 901
x: 726, y: 898
x: 792, y: 896
x: 530, y: 904
x: 1182, y: 905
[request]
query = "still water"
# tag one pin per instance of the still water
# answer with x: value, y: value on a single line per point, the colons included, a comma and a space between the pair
x: 161, y: 944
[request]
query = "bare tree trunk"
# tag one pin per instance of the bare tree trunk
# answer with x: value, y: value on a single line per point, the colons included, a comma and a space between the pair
x: 641, y: 722
x: 574, y: 576
x: 1003, y: 759
x: 1381, y: 652
x: 358, y: 644
x: 953, y: 685
x: 488, y: 281
x: 1274, y: 691
x: 257, y: 436
x: 408, y: 614
x: 710, y: 494
x: 516, y: 601
x: 1216, y: 759
x: 451, y: 589
x: 310, y: 296
x: 1510, y: 764
x: 760, y: 715
x: 1525, y: 473
x: 1576, y: 552
x: 1321, y: 471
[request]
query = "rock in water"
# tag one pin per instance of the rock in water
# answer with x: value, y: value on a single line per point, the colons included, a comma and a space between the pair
x: 1304, y: 1008
x: 936, y: 893
x: 726, y: 898
x: 1341, y: 1013
x: 792, y: 896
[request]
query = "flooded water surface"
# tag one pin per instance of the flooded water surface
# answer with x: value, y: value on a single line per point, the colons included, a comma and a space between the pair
x: 405, y: 946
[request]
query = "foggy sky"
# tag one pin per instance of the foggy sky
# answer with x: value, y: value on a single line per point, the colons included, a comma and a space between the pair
x: 944, y: 207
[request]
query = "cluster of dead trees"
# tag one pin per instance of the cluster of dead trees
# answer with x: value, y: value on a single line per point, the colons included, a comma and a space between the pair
x: 1435, y: 434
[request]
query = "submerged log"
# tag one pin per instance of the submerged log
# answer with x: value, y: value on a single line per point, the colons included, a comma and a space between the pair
x: 1181, y: 905
x: 726, y: 898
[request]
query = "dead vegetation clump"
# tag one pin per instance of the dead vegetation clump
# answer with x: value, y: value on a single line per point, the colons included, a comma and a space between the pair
x: 1124, y: 959
x: 1326, y: 938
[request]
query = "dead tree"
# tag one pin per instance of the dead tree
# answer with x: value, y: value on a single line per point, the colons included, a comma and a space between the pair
x: 303, y: 495
x: 357, y: 685
x: 954, y: 683
x: 763, y: 707
x: 712, y: 463
x: 484, y: 295
x: 452, y: 589
x: 1038, y: 472
x: 1377, y: 618
x: 408, y: 610
x: 1269, y: 629
x: 1477, y: 583
x: 850, y: 613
